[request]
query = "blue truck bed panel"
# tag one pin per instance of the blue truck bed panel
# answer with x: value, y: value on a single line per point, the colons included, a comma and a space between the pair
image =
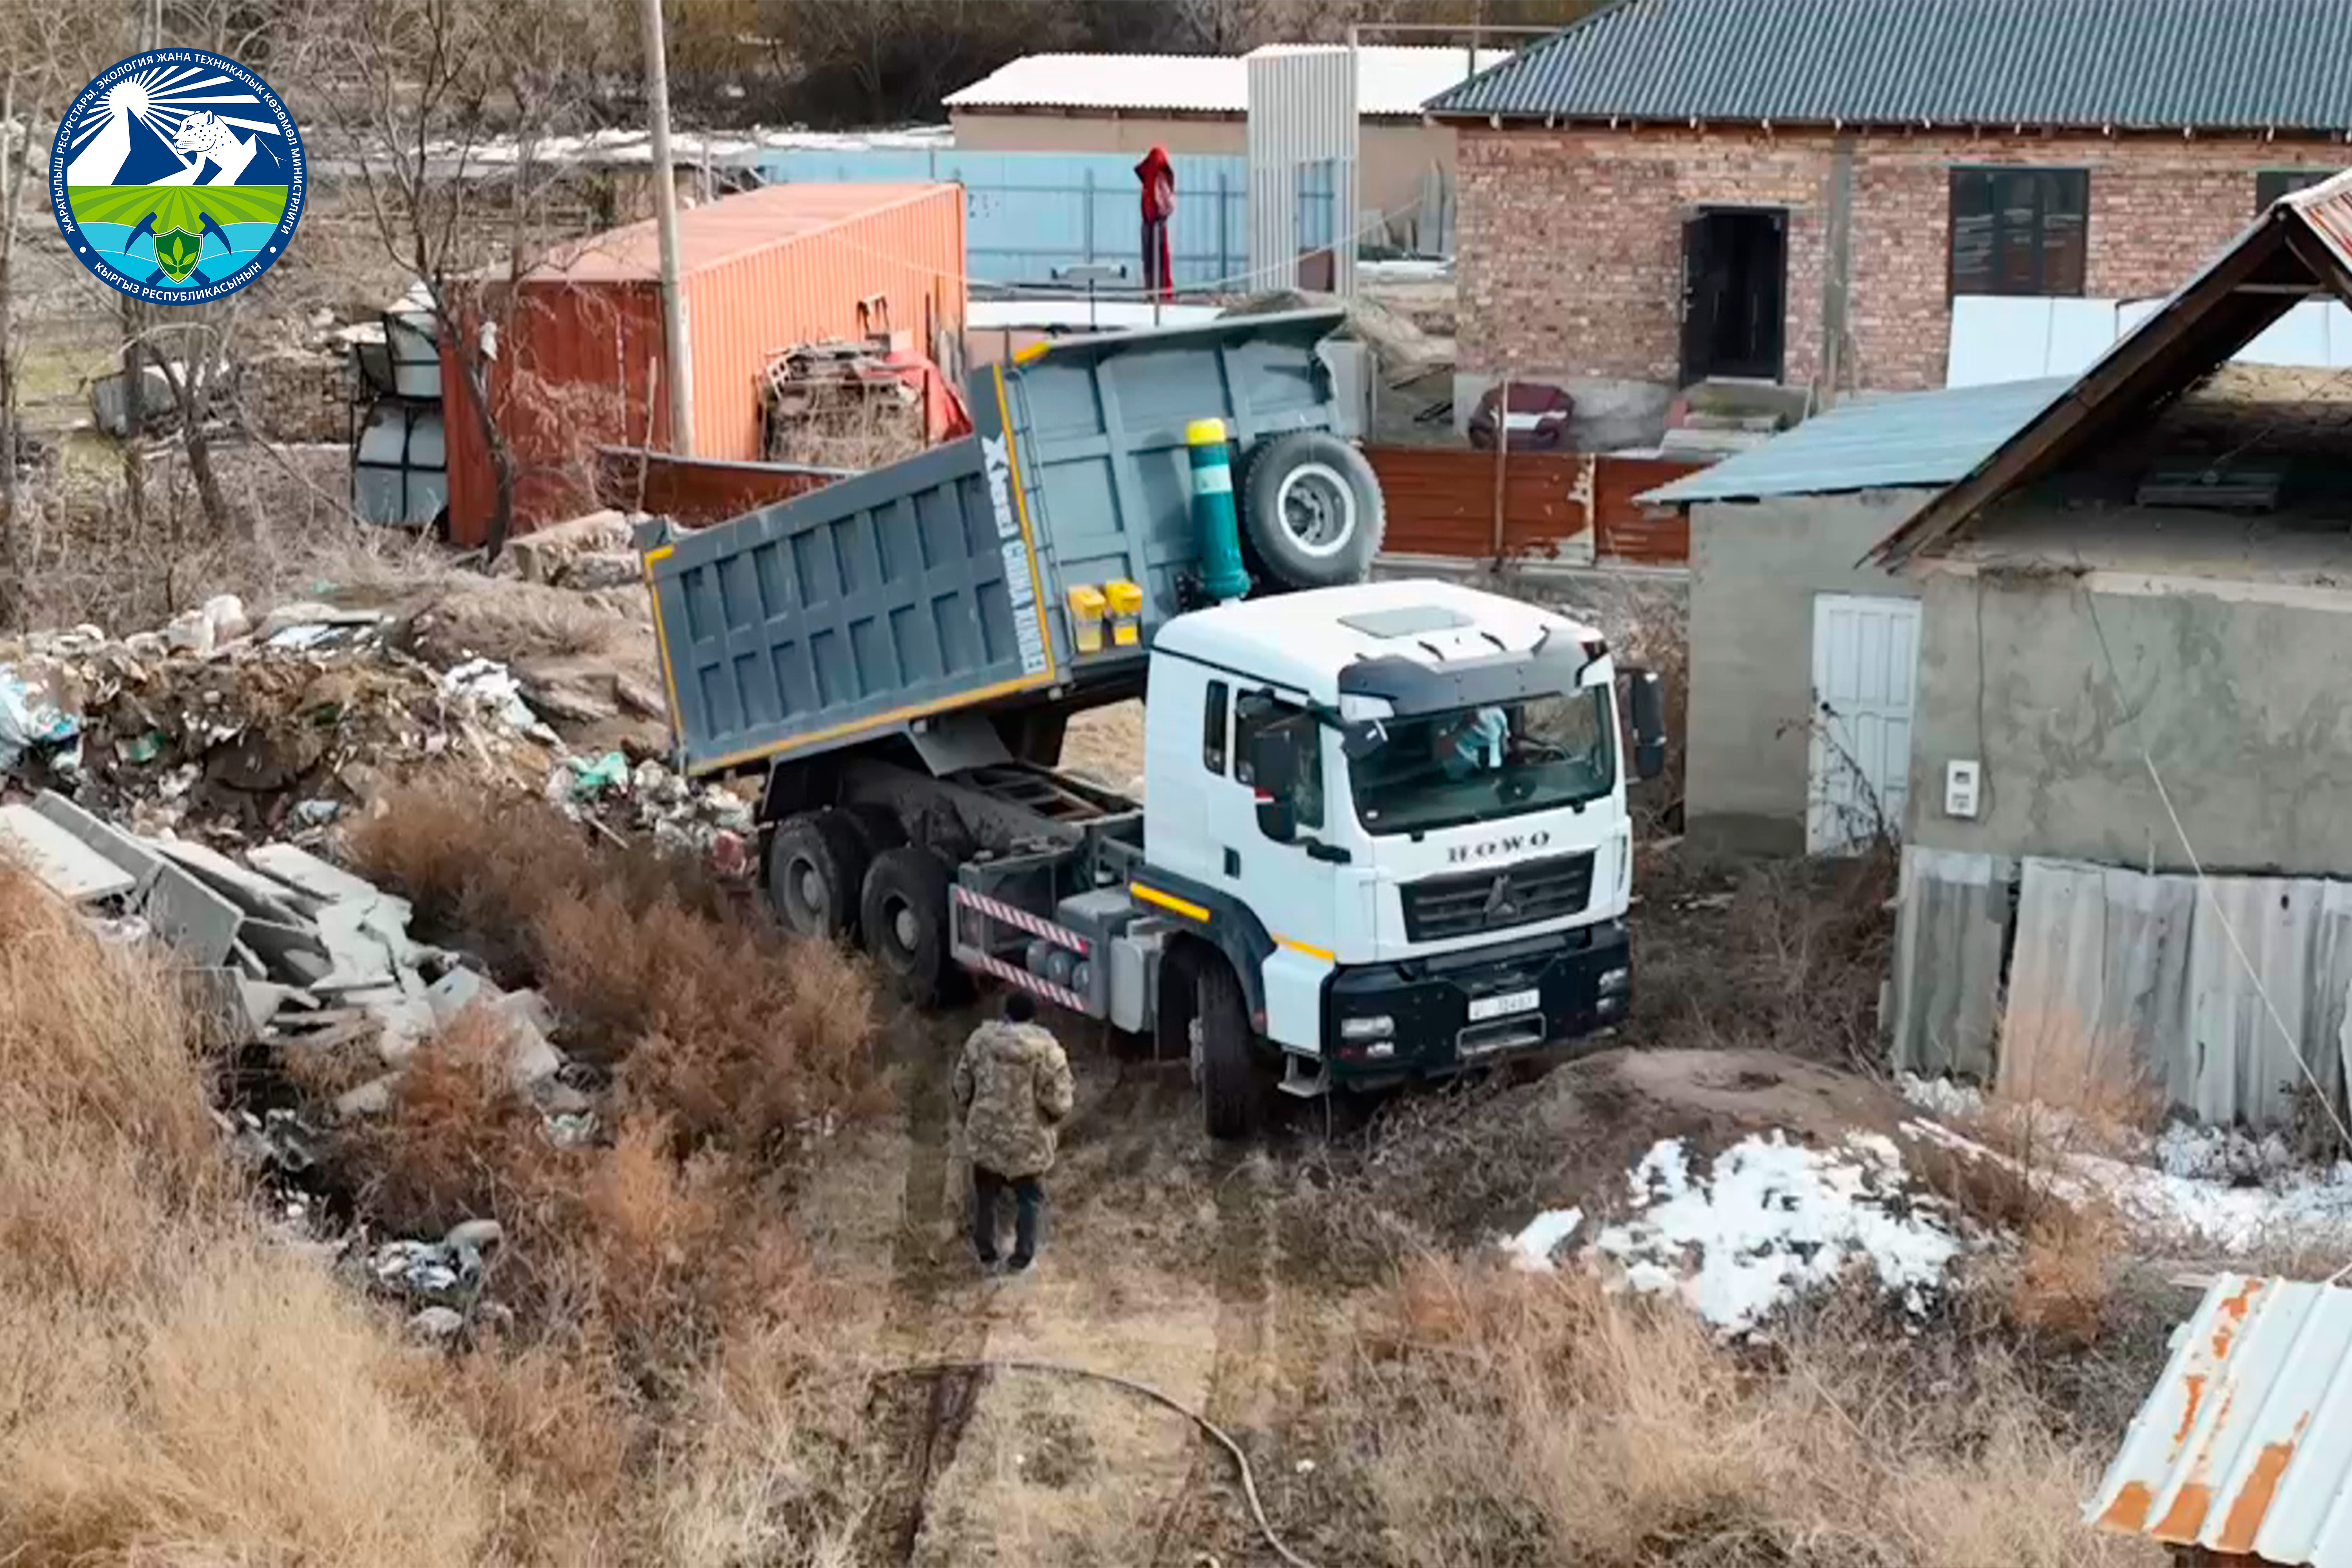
x: 940, y: 582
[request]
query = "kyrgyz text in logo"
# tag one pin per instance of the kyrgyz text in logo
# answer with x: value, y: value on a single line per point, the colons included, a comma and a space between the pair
x: 177, y: 177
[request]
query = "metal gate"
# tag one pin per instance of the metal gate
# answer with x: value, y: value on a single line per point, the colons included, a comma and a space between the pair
x: 1865, y: 669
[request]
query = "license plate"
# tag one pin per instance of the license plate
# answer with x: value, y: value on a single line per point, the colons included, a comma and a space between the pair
x: 1485, y: 1007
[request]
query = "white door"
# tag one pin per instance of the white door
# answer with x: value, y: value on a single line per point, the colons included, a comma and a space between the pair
x: 1865, y: 669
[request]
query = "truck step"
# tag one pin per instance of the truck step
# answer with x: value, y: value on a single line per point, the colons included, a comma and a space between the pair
x: 1303, y: 1081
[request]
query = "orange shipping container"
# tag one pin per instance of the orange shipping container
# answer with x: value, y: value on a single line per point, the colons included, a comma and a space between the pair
x: 579, y: 360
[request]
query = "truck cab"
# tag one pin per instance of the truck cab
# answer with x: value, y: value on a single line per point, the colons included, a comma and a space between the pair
x: 1401, y: 808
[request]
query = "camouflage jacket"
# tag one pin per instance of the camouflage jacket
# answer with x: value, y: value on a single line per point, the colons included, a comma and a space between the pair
x: 1012, y: 1087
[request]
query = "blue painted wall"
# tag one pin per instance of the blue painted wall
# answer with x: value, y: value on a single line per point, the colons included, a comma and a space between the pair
x: 1026, y: 214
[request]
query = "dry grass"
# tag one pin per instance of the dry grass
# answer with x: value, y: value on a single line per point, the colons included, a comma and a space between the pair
x: 1504, y: 1418
x: 716, y: 1026
x: 173, y: 1388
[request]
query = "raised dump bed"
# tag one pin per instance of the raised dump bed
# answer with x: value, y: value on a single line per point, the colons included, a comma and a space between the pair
x: 1028, y: 564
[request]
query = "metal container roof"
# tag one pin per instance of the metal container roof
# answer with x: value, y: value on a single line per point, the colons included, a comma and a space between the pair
x: 1388, y: 81
x: 721, y: 231
x: 2103, y: 65
x: 1923, y: 438
x: 2245, y: 1444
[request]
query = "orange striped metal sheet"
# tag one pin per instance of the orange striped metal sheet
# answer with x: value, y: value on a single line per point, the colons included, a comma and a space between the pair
x: 580, y: 363
x: 2245, y: 1446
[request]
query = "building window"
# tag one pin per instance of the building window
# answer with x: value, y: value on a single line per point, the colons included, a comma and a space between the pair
x: 2019, y: 231
x: 2270, y: 184
x: 1212, y: 730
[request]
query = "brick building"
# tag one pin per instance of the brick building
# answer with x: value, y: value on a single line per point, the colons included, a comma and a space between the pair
x: 1794, y: 191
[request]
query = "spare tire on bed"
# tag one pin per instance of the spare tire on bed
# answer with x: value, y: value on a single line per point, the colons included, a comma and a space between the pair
x: 1312, y: 509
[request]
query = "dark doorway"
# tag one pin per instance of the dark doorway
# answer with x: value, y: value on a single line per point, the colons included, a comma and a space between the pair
x: 1735, y: 294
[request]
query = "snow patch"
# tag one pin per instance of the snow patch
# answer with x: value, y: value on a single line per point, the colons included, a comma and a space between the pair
x: 1532, y: 1248
x: 1940, y: 1096
x: 1770, y: 1220
x: 2294, y: 1204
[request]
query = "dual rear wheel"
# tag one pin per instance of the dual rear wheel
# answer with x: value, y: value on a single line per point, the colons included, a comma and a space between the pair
x: 847, y: 874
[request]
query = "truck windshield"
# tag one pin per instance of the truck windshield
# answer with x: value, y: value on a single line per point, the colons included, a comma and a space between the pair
x: 1475, y: 764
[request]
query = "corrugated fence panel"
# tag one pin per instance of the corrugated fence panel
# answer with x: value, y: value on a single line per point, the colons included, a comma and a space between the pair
x: 2112, y: 967
x: 1949, y: 937
x: 1027, y: 214
x: 2100, y: 979
x: 1561, y: 505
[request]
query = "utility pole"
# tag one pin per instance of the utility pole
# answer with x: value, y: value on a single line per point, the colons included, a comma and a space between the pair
x: 679, y: 371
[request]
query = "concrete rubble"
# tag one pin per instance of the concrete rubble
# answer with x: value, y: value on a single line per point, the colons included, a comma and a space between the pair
x: 284, y: 949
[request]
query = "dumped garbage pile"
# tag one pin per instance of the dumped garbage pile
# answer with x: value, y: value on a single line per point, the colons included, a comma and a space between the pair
x: 229, y: 730
x: 222, y: 731
x: 285, y: 949
x: 1767, y: 1221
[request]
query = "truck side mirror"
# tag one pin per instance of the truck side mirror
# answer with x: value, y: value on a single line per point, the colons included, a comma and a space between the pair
x: 1278, y: 820
x: 1274, y: 760
x: 1646, y: 698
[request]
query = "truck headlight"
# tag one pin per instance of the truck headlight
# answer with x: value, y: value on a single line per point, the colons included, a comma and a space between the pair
x: 1614, y: 980
x: 1378, y: 1027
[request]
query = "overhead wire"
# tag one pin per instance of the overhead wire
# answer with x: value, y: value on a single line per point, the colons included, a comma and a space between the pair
x: 2132, y: 718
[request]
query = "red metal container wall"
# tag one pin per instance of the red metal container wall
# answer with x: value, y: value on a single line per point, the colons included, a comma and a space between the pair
x: 741, y: 311
x: 576, y: 363
x: 1440, y: 501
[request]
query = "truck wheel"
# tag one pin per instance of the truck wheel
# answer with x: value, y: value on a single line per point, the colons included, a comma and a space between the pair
x: 875, y: 825
x: 1312, y: 507
x: 816, y: 864
x: 1233, y: 1084
x: 904, y: 914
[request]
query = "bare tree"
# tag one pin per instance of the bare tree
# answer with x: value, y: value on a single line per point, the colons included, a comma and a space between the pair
x: 45, y: 53
x: 449, y: 110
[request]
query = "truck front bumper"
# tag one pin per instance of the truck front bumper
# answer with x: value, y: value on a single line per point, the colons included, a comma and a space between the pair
x: 1427, y: 1017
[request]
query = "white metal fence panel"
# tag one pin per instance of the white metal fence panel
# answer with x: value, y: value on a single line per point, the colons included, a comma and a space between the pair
x: 1304, y: 137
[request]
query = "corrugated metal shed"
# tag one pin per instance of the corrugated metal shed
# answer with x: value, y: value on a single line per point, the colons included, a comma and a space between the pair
x: 2245, y: 1444
x: 1887, y: 442
x: 1391, y: 81
x: 721, y: 231
x: 2247, y: 65
x: 581, y: 354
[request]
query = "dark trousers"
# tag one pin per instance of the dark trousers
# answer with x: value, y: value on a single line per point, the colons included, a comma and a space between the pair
x: 1028, y: 1198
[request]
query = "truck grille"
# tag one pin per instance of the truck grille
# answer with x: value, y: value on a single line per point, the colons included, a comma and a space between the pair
x: 1440, y: 908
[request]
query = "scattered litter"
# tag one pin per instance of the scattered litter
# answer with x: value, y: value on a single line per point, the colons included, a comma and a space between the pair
x: 490, y: 688
x: 30, y: 720
x: 1533, y: 1247
x: 1771, y: 1219
x: 594, y: 776
x: 447, y: 1272
x: 1940, y: 1096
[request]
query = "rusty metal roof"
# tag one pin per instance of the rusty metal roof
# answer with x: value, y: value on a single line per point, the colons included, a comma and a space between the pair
x: 2246, y: 1447
x: 720, y: 231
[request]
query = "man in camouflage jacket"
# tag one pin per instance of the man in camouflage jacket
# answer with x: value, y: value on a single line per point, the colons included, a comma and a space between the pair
x: 1013, y: 1089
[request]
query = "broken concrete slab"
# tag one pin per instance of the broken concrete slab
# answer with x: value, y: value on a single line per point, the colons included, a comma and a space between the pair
x: 528, y: 1007
x: 359, y: 956
x: 407, y: 1022
x: 63, y: 864
x: 529, y: 1057
x: 193, y: 917
x: 299, y: 868
x: 454, y: 992
x: 277, y: 943
x: 121, y: 847
x: 255, y: 894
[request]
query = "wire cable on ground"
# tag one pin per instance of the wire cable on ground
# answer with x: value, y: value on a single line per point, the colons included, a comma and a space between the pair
x: 1066, y: 1369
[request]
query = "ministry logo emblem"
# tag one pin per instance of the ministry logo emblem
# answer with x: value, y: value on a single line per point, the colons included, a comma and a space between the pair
x: 177, y: 177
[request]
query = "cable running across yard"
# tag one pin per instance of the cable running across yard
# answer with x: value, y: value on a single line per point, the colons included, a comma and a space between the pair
x: 1065, y: 1369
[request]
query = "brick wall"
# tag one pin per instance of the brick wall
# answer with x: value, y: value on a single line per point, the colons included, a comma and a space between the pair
x: 1570, y: 261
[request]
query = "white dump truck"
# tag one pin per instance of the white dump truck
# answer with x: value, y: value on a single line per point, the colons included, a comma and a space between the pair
x: 1384, y: 832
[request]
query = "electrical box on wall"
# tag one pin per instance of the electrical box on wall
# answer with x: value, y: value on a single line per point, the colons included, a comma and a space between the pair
x: 1962, y: 781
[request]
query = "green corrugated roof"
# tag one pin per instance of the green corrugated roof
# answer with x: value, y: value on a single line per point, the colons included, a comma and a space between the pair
x: 2221, y: 65
x: 1916, y: 439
